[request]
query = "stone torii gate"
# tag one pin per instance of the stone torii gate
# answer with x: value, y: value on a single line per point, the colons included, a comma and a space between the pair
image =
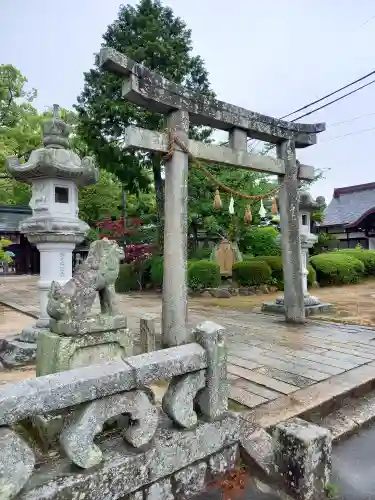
x: 183, y: 107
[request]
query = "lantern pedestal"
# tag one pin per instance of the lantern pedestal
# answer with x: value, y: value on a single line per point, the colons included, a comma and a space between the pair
x: 312, y: 306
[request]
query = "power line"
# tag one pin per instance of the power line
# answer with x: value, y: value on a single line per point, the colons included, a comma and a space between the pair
x: 325, y: 105
x: 350, y: 120
x: 334, y: 100
x: 328, y: 95
x: 349, y: 133
x: 363, y: 24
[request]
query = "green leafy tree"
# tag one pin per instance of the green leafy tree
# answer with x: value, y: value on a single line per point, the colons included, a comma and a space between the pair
x: 260, y: 241
x: 101, y: 200
x: 19, y: 130
x: 152, y: 35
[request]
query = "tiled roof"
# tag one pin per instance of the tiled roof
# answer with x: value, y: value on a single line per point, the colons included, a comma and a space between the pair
x: 11, y: 217
x: 349, y: 205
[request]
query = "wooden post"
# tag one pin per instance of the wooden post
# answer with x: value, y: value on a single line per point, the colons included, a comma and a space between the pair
x: 290, y: 235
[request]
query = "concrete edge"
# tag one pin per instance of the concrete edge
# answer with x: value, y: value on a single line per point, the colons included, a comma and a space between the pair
x: 319, y: 399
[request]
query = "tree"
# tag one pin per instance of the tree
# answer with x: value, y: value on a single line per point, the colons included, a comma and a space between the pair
x: 101, y: 199
x: 19, y: 130
x: 151, y: 35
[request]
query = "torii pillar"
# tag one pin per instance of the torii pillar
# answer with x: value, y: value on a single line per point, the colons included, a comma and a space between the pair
x: 183, y: 108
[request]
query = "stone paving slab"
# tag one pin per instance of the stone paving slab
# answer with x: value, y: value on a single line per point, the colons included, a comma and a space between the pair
x: 269, y: 361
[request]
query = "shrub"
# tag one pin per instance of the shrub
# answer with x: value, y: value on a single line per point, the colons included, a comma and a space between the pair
x: 260, y: 241
x: 276, y: 264
x: 365, y: 256
x: 311, y: 277
x: 203, y: 274
x: 128, y: 279
x: 191, y: 261
x: 335, y: 268
x: 252, y: 272
x: 156, y: 270
x: 137, y: 252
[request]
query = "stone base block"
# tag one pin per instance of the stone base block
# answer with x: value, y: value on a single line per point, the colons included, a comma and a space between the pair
x: 273, y: 307
x: 30, y: 333
x: 20, y: 350
x: 302, y: 456
x: 177, y: 465
x: 57, y: 353
x: 94, y: 324
x: 15, y: 353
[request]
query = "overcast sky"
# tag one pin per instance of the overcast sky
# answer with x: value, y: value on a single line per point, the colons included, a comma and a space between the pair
x: 268, y: 56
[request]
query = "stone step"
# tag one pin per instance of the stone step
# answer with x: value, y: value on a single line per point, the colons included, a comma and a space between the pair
x: 353, y: 413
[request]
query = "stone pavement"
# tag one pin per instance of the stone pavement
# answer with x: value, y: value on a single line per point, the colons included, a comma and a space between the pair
x: 275, y: 369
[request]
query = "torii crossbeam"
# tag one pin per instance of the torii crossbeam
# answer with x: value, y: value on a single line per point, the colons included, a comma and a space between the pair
x: 183, y: 107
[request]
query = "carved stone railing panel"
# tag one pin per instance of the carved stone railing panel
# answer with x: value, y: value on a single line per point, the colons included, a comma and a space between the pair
x: 103, y: 415
x: 77, y: 438
x: 64, y: 389
x: 17, y: 462
x: 178, y: 401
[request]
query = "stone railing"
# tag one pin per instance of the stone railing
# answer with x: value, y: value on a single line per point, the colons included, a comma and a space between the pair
x: 95, y: 432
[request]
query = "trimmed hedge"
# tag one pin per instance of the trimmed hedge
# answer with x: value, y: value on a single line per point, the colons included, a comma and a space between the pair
x: 276, y: 264
x: 251, y: 272
x: 311, y: 277
x: 155, y: 269
x: 336, y: 268
x: 203, y: 274
x: 247, y: 256
x: 365, y: 256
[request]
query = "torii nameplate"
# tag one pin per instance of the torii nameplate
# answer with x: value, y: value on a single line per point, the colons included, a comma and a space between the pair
x: 154, y: 92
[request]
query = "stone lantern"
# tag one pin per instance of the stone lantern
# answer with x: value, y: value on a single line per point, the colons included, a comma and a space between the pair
x: 55, y: 172
x: 312, y: 304
x: 306, y: 206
